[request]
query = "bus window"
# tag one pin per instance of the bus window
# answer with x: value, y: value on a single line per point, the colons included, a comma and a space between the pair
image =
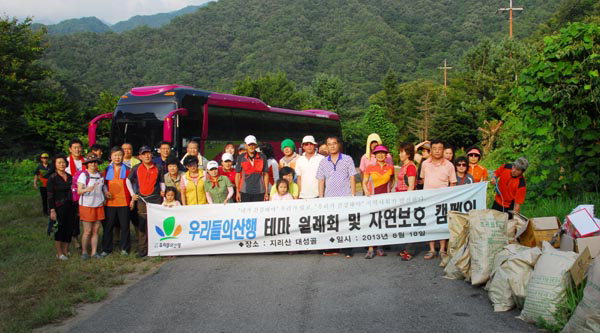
x: 190, y: 126
x: 220, y: 131
x: 246, y: 122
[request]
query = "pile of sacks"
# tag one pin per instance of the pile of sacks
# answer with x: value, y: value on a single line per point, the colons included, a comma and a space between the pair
x: 483, y: 250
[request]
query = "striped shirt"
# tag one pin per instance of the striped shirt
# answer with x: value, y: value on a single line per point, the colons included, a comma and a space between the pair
x: 337, y: 175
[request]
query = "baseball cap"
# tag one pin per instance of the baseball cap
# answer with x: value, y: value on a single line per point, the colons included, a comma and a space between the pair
x: 250, y: 139
x: 227, y: 157
x: 309, y: 139
x: 144, y: 149
x: 212, y: 165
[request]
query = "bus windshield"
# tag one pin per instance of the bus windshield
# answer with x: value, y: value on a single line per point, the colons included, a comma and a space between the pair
x: 139, y: 124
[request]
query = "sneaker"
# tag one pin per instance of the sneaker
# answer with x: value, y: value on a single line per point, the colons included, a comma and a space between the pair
x: 85, y: 256
x: 104, y: 254
x: 370, y: 255
x: 124, y: 253
x: 97, y: 256
x: 62, y: 257
x: 380, y: 253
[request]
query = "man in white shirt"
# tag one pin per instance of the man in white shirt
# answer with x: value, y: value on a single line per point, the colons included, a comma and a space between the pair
x: 306, y: 169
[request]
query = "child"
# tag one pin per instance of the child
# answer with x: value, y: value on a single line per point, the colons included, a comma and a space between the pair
x: 288, y: 174
x: 169, y: 200
x: 282, y: 191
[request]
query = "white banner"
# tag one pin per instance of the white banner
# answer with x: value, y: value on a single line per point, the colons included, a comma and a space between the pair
x: 313, y: 224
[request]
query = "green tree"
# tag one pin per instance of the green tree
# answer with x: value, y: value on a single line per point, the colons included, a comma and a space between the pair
x: 21, y: 49
x: 273, y: 88
x: 376, y: 121
x: 328, y: 92
x: 555, y: 120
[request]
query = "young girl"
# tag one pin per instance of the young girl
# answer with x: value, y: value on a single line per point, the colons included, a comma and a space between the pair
x: 282, y: 186
x: 91, y: 205
x: 169, y: 200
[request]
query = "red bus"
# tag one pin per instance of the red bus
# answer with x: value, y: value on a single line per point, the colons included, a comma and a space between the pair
x: 178, y: 114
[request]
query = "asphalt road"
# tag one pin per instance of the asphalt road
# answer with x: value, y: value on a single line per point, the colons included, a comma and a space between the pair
x: 300, y: 293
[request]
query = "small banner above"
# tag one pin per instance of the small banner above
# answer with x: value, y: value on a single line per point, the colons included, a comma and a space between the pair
x: 309, y: 224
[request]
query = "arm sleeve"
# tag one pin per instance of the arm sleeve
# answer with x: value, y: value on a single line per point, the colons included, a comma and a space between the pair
x: 452, y: 174
x: 351, y: 168
x: 265, y: 164
x: 320, y: 174
x: 520, y: 195
x: 363, y: 163
x: 411, y: 171
x: 229, y: 192
x: 499, y: 171
x: 50, y: 189
x: 238, y: 164
x: 129, y: 186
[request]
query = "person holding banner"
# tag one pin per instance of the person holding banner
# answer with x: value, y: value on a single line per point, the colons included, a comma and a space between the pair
x: 407, y: 180
x: 144, y: 182
x: 192, y: 183
x: 378, y: 178
x: 306, y: 169
x: 437, y: 172
x: 118, y: 200
x: 218, y: 188
x: 251, y: 174
x: 336, y: 175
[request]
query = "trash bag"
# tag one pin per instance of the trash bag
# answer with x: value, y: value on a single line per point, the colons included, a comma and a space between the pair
x: 512, y: 269
x: 548, y: 284
x: 459, y: 266
x: 586, y: 317
x: 487, y: 237
x: 457, y: 223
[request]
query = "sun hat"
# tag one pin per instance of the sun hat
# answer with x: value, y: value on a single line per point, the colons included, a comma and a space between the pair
x: 380, y: 149
x: 309, y: 139
x: 91, y: 157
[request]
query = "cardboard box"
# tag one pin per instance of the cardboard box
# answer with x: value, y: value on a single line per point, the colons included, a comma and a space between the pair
x: 580, y: 266
x: 539, y: 229
x: 568, y: 243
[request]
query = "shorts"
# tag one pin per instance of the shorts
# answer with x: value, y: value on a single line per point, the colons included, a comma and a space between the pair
x: 91, y: 214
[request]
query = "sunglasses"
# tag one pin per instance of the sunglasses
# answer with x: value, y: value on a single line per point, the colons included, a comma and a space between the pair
x: 461, y: 164
x: 473, y: 155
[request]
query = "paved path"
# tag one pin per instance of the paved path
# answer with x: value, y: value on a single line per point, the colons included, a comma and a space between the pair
x: 300, y: 293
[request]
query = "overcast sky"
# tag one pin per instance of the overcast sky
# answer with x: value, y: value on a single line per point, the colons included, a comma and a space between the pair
x: 111, y: 11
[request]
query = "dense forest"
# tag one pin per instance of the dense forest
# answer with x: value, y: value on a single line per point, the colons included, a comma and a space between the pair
x: 374, y: 62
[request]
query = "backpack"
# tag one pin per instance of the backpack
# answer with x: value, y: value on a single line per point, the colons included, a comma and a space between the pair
x: 74, y: 193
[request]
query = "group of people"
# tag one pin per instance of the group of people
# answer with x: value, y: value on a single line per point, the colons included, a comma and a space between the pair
x: 114, y: 194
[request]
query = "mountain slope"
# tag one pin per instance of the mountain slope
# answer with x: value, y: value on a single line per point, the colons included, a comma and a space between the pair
x: 153, y: 21
x: 358, y: 40
x: 84, y: 24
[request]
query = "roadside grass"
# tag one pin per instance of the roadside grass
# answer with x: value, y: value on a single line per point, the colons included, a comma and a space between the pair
x: 565, y: 309
x: 36, y: 288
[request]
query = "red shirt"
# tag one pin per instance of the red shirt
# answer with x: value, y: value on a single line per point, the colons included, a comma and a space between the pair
x: 512, y: 189
x: 147, y: 179
x: 408, y: 170
x: 228, y: 174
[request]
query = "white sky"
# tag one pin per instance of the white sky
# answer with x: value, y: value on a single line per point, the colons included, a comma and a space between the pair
x: 111, y: 11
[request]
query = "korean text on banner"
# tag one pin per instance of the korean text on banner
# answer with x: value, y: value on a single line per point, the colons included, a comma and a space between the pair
x: 309, y: 224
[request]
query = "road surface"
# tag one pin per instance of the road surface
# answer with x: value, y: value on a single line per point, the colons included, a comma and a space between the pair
x: 300, y: 293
